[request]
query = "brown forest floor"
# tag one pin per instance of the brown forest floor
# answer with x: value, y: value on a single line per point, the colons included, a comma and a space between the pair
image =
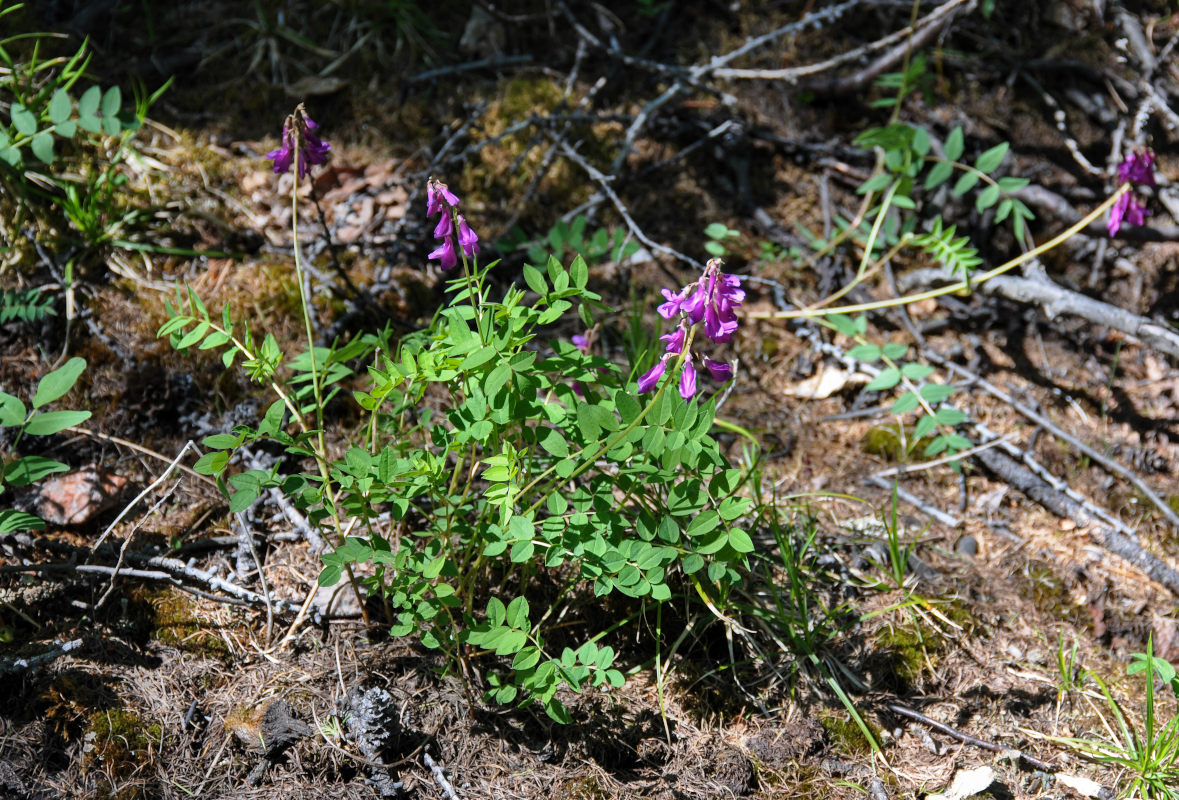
x: 150, y: 703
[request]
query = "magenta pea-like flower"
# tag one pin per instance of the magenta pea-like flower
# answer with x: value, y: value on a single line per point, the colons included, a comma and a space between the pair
x: 440, y: 200
x: 713, y: 300
x: 675, y: 340
x: 467, y: 238
x: 650, y: 378
x: 688, y: 379
x: 301, y: 143
x: 1138, y: 170
x: 1125, y: 209
x: 719, y: 370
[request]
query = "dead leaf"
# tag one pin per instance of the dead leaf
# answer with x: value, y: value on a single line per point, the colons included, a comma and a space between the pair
x: 1080, y: 785
x: 825, y: 383
x: 966, y: 782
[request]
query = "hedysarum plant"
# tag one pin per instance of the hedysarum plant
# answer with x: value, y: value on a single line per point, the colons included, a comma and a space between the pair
x: 480, y: 525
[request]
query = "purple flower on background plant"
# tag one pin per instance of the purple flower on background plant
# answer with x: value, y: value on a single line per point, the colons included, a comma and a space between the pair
x: 1125, y: 209
x: 581, y: 343
x: 1137, y: 168
x: 719, y: 370
x: 713, y: 299
x: 651, y: 377
x: 300, y: 143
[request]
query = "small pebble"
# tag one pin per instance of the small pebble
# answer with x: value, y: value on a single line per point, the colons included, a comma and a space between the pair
x: 967, y: 546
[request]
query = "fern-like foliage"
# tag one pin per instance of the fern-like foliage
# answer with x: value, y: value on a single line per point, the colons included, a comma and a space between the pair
x: 956, y: 254
x: 25, y: 306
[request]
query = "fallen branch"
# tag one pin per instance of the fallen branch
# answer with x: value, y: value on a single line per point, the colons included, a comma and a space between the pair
x: 1011, y: 472
x: 966, y: 738
x: 440, y: 776
x: 12, y: 666
x: 1047, y: 424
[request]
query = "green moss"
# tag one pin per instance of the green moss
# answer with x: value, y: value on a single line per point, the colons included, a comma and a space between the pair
x: 843, y: 732
x: 176, y: 624
x: 118, y: 739
x: 912, y: 648
x: 584, y: 788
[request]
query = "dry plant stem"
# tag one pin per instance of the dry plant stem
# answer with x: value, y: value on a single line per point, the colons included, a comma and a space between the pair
x: 1055, y: 300
x: 792, y: 74
x: 862, y: 78
x: 331, y: 244
x: 1060, y: 485
x: 963, y: 285
x: 127, y: 543
x: 126, y: 509
x: 603, y: 180
x: 147, y: 451
x: 905, y: 469
x: 966, y: 738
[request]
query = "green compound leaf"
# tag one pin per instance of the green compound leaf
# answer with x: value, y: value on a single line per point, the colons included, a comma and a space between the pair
x: 13, y: 521
x: 990, y: 160
x: 60, y: 107
x: 12, y: 411
x: 916, y: 372
x: 739, y: 540
x: 865, y: 352
x: 986, y: 198
x: 23, y: 120
x: 905, y: 403
x: 89, y: 101
x: 965, y: 184
x: 67, y: 129
x: 10, y: 156
x: 934, y: 393
x: 42, y: 146
x: 940, y: 173
x: 58, y: 382
x: 54, y: 422
x: 950, y: 416
x: 30, y: 469
x: 887, y: 379
x: 955, y: 145
x: 112, y: 101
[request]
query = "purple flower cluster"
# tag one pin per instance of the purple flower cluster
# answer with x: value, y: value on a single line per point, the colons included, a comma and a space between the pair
x: 300, y: 144
x: 713, y: 300
x: 439, y: 199
x: 1136, y: 169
